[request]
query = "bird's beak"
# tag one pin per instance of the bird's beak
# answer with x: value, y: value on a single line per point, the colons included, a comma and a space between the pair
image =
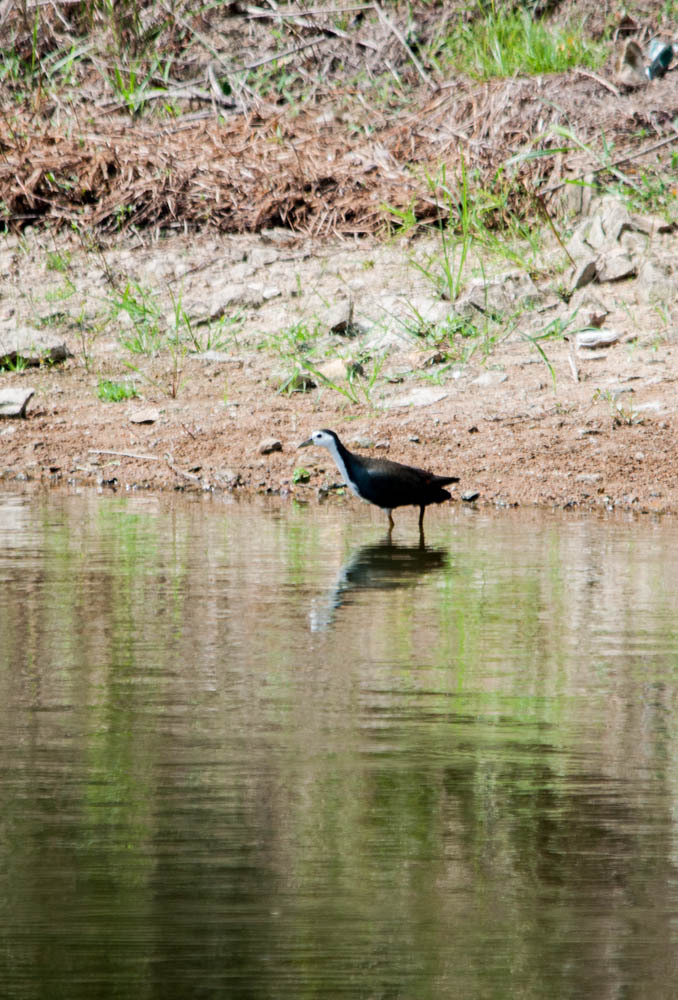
x: 305, y: 444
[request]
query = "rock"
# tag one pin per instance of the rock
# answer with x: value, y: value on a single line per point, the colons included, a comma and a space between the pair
x: 421, y: 396
x: 339, y: 319
x: 470, y: 495
x: 620, y: 390
x: 13, y: 402
x: 382, y: 340
x: 652, y: 224
x: 147, y: 416
x: 260, y: 256
x: 591, y: 339
x: 615, y: 219
x: 490, y: 378
x: 583, y: 273
x: 226, y: 477
x: 575, y: 197
x: 589, y: 308
x: 299, y: 382
x: 26, y: 345
x: 652, y: 406
x: 421, y: 309
x: 501, y: 295
x: 657, y: 282
x: 218, y: 357
x: 589, y: 477
x: 616, y: 266
x: 630, y: 70
x: 424, y: 359
x: 334, y: 370
x: 269, y: 445
x: 233, y: 296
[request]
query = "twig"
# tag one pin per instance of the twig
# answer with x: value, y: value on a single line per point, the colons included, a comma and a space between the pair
x: 254, y: 12
x: 281, y: 55
x: 573, y: 363
x: 539, y: 199
x: 386, y: 21
x: 125, y: 454
x: 180, y: 472
x: 599, y: 79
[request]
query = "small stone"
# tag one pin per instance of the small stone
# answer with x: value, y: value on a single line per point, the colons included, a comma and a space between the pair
x: 268, y: 445
x: 147, y: 416
x: 339, y: 319
x: 652, y: 406
x: 334, y: 370
x: 299, y: 382
x: 615, y: 266
x: 583, y: 274
x: 13, y: 402
x: 470, y: 495
x: 422, y: 396
x: 260, y: 256
x: 591, y: 339
x: 227, y: 477
x: 490, y: 378
x: 218, y: 357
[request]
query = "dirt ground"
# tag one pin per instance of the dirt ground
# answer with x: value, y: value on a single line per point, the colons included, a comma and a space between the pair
x: 500, y: 422
x: 267, y: 227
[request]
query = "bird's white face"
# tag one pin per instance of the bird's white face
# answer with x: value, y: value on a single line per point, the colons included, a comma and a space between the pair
x: 322, y: 439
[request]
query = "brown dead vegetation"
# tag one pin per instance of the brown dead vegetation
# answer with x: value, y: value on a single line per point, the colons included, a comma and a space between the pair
x: 326, y: 166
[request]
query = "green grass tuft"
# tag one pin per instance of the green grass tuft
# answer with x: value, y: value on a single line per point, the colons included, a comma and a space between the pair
x: 115, y: 392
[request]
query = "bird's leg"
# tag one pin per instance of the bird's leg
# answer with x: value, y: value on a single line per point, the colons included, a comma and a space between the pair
x: 391, y: 522
x: 421, y: 517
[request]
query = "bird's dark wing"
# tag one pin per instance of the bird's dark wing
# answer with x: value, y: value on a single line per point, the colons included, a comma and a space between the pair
x: 390, y: 484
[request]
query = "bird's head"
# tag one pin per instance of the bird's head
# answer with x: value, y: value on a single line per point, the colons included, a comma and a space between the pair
x: 322, y: 439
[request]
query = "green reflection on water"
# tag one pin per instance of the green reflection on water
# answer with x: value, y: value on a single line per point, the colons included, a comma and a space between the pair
x: 256, y: 751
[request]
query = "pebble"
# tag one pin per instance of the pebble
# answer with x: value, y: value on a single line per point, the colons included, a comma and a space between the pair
x: 490, y: 378
x: 591, y: 339
x: 470, y: 495
x: 422, y: 396
x: 13, y: 402
x: 147, y: 416
x: 269, y: 445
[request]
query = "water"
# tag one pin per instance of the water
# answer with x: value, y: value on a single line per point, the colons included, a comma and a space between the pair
x: 253, y: 751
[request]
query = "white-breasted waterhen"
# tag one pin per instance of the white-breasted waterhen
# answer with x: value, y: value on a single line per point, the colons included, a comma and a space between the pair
x: 382, y: 482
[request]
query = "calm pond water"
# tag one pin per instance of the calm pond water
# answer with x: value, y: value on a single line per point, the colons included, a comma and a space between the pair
x: 253, y: 750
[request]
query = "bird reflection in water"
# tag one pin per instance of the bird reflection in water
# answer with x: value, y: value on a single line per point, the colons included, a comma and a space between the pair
x: 380, y: 566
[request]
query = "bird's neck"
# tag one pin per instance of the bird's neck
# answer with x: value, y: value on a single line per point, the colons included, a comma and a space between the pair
x: 341, y: 457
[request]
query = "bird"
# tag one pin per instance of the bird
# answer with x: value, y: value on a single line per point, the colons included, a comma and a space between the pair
x: 382, y: 482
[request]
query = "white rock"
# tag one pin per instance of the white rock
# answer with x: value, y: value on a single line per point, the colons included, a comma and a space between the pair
x: 146, y: 416
x: 13, y: 402
x: 489, y: 378
x: 422, y: 396
x: 591, y: 339
x: 31, y: 345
